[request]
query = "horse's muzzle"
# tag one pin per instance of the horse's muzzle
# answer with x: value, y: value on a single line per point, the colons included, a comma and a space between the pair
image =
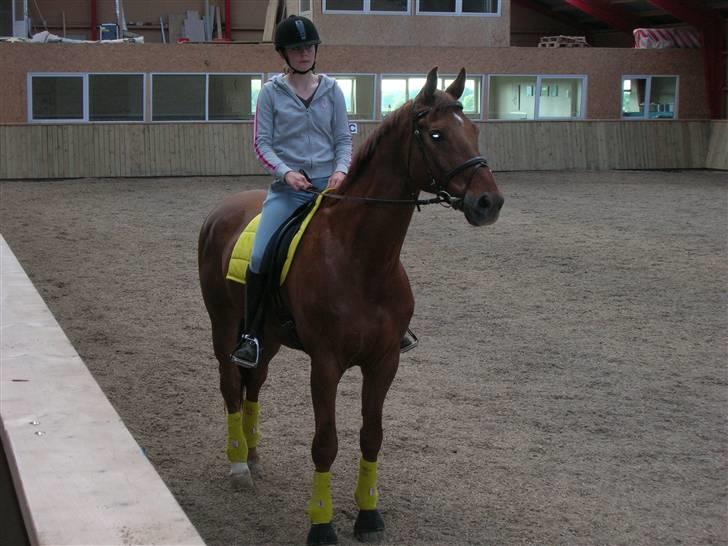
x: 483, y: 209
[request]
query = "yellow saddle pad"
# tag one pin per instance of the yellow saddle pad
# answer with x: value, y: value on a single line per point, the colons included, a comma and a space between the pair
x: 244, y: 247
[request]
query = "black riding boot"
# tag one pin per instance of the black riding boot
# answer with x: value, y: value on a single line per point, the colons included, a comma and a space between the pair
x: 247, y: 353
x: 408, y: 342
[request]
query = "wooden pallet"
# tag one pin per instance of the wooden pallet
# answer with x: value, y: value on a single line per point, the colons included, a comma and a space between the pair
x: 563, y: 41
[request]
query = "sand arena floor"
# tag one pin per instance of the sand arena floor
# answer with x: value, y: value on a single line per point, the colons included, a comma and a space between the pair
x: 570, y: 386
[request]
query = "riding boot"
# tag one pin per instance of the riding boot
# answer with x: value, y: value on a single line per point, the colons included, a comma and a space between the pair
x: 247, y: 352
x: 408, y: 342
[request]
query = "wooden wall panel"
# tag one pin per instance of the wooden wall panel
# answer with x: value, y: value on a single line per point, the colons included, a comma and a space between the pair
x: 213, y: 149
x: 718, y: 150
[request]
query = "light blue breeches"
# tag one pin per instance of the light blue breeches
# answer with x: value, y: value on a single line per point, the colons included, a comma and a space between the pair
x: 280, y: 203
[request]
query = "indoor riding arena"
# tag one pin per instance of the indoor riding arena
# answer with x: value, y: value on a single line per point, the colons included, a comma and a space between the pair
x: 570, y: 382
x: 569, y: 386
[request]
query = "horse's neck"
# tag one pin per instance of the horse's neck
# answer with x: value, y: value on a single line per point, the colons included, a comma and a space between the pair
x: 384, y: 177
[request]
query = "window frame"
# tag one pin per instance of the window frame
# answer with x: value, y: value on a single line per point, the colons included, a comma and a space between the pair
x: 458, y: 11
x: 85, y: 96
x: 648, y: 95
x: 366, y: 9
x: 537, y: 95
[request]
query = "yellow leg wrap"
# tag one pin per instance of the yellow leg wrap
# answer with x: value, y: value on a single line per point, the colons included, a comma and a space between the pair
x: 321, y: 507
x: 251, y: 410
x: 366, y: 493
x: 237, y: 447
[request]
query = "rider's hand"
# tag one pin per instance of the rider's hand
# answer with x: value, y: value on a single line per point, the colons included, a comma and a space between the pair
x: 335, y: 180
x: 296, y: 180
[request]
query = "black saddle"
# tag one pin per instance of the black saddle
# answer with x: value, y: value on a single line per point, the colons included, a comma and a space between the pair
x: 274, y: 259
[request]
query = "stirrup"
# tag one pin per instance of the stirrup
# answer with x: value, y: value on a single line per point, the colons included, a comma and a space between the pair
x: 408, y: 342
x: 242, y: 354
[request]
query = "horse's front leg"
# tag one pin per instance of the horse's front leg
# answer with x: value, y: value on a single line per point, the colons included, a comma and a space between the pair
x: 325, y: 377
x: 377, y: 378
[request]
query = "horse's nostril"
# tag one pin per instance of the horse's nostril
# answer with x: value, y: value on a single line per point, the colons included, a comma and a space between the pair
x: 484, y: 201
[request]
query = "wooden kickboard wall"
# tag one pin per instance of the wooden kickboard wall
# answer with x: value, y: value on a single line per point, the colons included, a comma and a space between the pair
x: 210, y: 149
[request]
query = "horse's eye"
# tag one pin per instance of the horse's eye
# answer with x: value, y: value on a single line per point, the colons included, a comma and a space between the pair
x: 436, y: 135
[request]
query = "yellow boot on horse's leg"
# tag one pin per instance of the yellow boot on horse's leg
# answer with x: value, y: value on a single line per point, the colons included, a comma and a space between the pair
x: 369, y: 526
x: 251, y: 413
x: 321, y: 511
x: 237, y: 451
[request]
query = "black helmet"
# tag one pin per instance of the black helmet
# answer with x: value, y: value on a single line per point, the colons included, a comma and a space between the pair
x: 296, y: 31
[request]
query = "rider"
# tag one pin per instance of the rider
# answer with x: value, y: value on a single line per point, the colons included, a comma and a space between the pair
x: 300, y: 124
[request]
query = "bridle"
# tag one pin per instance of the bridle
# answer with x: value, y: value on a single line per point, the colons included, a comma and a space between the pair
x: 438, y: 186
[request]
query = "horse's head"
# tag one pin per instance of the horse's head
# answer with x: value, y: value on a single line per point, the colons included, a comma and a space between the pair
x: 444, y: 153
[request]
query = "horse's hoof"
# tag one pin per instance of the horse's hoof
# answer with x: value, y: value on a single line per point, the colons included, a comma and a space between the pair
x: 256, y: 469
x: 369, y: 526
x: 241, y: 477
x: 321, y: 533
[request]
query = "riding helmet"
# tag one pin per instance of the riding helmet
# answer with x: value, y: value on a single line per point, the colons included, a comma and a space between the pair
x: 296, y: 31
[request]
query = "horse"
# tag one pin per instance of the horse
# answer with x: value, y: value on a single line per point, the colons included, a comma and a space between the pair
x: 346, y: 288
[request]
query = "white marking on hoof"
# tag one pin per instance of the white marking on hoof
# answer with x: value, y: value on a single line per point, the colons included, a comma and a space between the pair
x: 240, y: 476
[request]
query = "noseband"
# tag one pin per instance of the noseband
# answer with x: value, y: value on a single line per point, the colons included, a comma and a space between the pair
x: 438, y: 186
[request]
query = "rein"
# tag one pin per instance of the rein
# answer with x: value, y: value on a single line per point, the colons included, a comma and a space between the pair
x: 440, y: 197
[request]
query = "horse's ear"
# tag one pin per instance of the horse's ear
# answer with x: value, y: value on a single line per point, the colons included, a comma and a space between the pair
x: 456, y: 88
x: 428, y: 91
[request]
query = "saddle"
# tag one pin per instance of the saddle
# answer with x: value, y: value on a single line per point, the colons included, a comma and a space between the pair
x: 277, y: 260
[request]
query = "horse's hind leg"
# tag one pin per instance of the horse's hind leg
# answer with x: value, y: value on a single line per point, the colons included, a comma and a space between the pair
x: 253, y: 380
x: 369, y: 526
x: 225, y: 330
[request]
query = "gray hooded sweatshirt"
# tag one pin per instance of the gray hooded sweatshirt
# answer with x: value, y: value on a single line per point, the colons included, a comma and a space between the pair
x: 288, y: 136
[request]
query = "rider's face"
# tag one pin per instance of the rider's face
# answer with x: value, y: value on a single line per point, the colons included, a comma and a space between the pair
x: 301, y: 57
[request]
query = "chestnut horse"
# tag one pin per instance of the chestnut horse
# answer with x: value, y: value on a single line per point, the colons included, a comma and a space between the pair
x: 346, y: 289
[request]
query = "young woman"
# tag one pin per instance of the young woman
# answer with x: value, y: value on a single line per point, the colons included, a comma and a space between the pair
x: 300, y: 123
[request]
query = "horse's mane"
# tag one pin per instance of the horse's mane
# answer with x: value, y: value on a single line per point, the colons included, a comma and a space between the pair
x: 365, y: 152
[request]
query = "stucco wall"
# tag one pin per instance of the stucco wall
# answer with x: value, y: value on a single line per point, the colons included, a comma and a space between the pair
x: 603, y: 67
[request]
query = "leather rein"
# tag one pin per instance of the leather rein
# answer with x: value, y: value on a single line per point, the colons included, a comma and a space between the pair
x: 438, y: 187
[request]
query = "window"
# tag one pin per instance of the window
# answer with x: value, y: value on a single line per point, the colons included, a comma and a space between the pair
x: 396, y: 90
x: 649, y: 97
x: 204, y: 97
x: 86, y: 97
x: 233, y: 96
x: 536, y: 97
x: 55, y: 98
x: 304, y: 6
x: 116, y: 97
x: 358, y: 92
x: 458, y: 7
x: 367, y: 6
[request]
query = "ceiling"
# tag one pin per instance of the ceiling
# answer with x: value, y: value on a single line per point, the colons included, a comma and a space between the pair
x: 635, y: 13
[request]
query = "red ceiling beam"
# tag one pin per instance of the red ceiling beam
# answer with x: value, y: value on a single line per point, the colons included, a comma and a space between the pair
x: 94, y: 22
x: 692, y: 14
x: 608, y: 13
x: 709, y: 23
